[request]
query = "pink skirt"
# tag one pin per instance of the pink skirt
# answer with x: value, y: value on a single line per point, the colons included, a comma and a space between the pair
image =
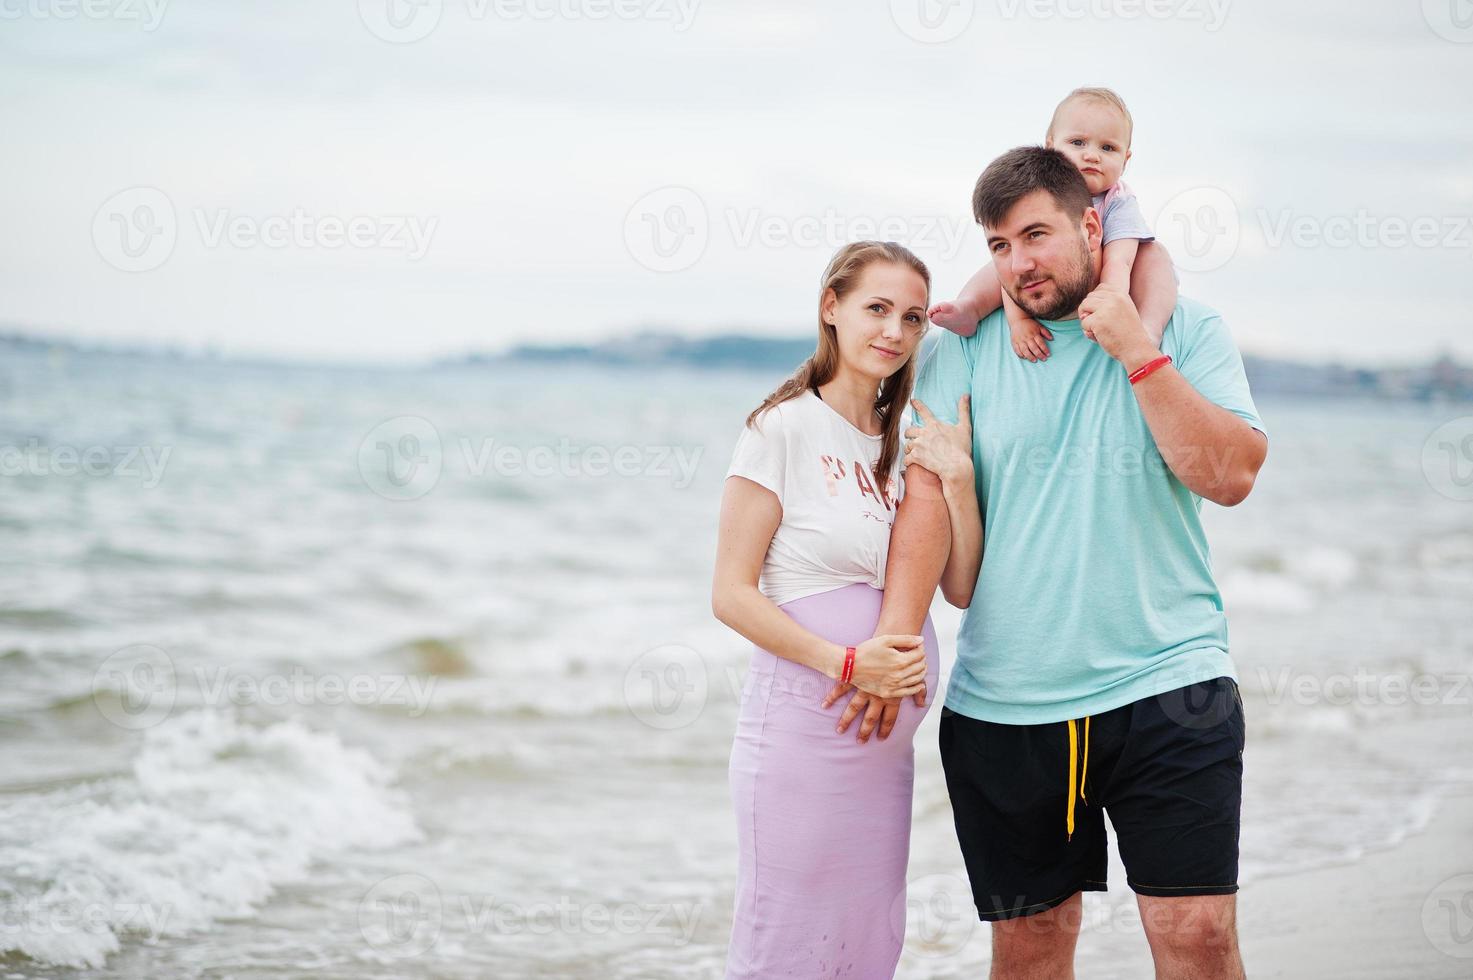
x: 823, y: 822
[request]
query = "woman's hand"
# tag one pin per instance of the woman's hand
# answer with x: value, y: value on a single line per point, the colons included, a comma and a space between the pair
x: 890, y: 666
x: 945, y: 450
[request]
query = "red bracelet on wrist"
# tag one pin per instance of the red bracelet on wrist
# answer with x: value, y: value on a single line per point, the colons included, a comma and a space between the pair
x: 1149, y: 368
x: 848, y: 672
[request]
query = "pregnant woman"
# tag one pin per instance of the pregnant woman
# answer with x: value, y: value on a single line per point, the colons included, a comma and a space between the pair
x: 823, y: 819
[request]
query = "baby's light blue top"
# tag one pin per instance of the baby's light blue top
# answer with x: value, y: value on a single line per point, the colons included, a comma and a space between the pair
x: 1096, y: 587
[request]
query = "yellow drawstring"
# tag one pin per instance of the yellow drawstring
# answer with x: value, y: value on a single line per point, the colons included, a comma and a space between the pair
x: 1083, y: 770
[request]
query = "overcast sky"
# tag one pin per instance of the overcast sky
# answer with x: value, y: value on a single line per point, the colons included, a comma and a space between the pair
x: 391, y: 180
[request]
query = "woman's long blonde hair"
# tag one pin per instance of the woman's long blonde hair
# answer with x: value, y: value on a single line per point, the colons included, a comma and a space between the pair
x: 842, y: 275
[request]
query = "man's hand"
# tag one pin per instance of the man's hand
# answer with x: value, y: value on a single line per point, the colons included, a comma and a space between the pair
x: 945, y: 450
x: 877, y: 711
x: 1110, y: 319
x: 1213, y: 452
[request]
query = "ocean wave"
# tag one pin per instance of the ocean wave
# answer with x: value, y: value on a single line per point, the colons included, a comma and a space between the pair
x: 497, y: 762
x: 42, y: 618
x: 1273, y: 848
x: 215, y: 815
x: 504, y: 707
x: 1447, y: 551
x: 1271, y: 591
x: 1322, y: 566
x: 1292, y: 582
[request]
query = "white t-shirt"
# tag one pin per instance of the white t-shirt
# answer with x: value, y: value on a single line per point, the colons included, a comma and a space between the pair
x: 835, y: 529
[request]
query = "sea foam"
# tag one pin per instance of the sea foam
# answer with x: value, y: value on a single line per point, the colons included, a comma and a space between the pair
x: 215, y: 815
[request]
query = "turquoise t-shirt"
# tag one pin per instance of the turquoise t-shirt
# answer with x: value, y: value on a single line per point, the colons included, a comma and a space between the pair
x: 1096, y: 587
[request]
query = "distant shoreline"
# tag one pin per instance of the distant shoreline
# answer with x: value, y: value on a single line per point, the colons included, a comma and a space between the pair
x: 1441, y: 379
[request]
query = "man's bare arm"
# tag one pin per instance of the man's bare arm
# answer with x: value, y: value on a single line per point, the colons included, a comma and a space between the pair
x: 919, y: 544
x: 1216, y: 454
x: 1211, y: 450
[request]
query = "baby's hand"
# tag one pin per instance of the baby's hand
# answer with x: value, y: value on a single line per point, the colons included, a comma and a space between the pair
x: 952, y: 317
x: 1029, y: 338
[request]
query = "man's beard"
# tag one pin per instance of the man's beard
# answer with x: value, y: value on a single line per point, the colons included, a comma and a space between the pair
x: 1073, y: 284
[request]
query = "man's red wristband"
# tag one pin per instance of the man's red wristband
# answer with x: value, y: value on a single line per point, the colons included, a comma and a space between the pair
x: 848, y: 665
x: 1149, y: 368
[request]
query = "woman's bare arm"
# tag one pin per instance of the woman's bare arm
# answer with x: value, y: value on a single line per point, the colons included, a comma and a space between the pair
x: 750, y: 514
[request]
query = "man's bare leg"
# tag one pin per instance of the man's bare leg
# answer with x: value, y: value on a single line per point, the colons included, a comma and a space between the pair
x: 1194, y: 937
x: 1038, y: 947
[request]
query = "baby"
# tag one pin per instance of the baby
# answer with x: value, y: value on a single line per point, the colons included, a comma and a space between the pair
x: 1092, y: 128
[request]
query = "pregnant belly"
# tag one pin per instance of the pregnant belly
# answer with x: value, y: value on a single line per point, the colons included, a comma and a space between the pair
x: 784, y: 698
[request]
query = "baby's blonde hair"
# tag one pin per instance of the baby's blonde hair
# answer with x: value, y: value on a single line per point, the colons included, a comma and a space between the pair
x: 1105, y: 95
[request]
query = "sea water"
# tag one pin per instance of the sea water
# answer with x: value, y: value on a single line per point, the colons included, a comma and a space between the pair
x: 407, y: 672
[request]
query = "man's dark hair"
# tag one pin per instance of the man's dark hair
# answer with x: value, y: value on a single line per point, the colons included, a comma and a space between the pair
x: 1021, y: 171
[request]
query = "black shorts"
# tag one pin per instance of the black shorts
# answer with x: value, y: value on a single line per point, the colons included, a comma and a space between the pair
x: 1168, y: 769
